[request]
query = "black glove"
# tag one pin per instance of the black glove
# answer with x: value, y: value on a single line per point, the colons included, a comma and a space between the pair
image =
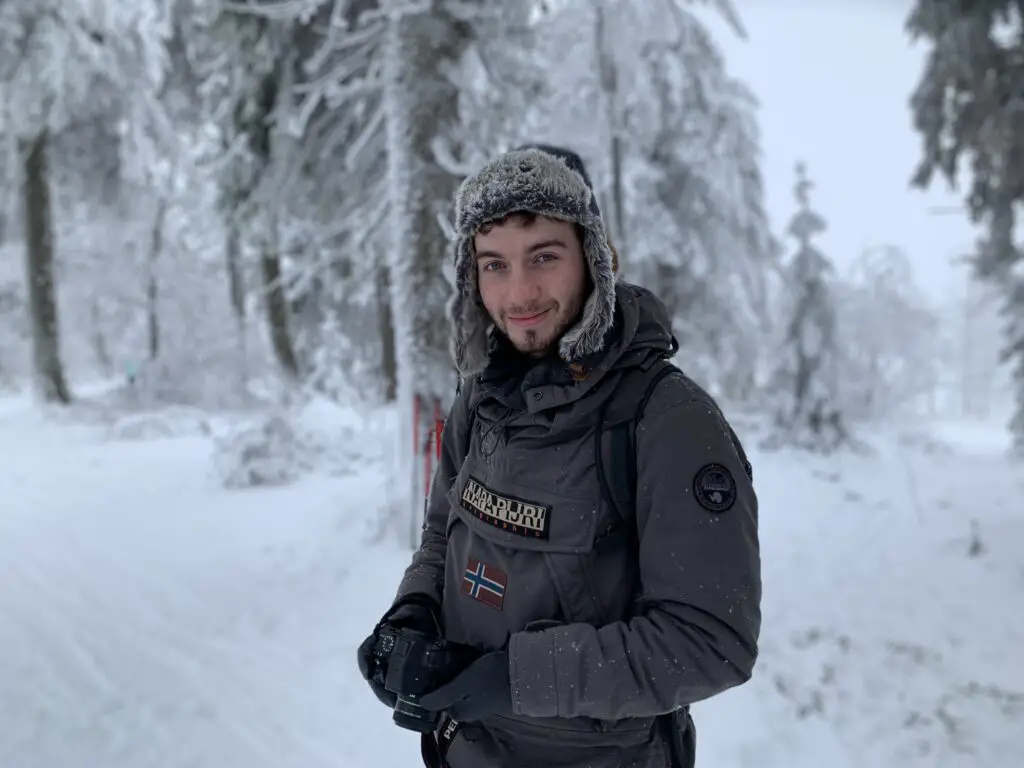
x: 481, y: 690
x: 366, y: 665
x: 415, y: 611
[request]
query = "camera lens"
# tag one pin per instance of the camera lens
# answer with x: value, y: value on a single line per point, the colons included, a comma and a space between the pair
x: 409, y: 715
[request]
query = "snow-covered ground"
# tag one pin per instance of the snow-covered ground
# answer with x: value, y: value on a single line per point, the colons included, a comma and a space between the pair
x: 150, y: 618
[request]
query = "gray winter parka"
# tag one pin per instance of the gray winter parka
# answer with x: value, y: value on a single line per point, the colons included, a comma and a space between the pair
x: 522, y: 550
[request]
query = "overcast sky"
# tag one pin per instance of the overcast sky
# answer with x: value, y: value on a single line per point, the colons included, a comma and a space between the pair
x: 834, y: 78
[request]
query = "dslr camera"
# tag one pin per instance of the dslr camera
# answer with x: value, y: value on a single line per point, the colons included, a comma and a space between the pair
x: 410, y: 663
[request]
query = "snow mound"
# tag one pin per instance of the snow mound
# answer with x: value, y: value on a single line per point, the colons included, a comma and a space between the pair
x: 281, y: 447
x: 271, y: 452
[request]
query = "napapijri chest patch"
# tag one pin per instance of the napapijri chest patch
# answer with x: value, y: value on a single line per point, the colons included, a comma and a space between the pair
x: 518, y: 516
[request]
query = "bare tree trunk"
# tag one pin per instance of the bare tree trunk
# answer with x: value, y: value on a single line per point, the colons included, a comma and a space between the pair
x: 156, y: 246
x: 236, y: 292
x: 236, y: 285
x: 42, y: 300
x: 276, y: 304
x: 618, y: 191
x: 271, y: 145
x: 386, y: 326
x: 609, y: 77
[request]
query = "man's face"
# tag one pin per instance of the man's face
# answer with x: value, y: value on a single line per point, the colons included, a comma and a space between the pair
x: 532, y: 280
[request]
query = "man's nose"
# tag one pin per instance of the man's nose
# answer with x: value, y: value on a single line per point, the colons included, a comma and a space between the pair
x: 523, y: 288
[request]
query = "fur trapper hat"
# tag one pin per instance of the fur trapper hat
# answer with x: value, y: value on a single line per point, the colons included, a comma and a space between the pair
x: 548, y: 181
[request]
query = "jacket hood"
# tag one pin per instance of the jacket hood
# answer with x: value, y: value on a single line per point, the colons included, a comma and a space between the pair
x: 640, y: 330
x: 544, y: 183
x: 646, y: 328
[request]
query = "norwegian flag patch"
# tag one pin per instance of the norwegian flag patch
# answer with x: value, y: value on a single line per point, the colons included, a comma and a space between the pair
x: 485, y: 583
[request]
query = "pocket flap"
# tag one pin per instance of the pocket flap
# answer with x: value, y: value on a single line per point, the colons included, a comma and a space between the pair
x: 525, y: 518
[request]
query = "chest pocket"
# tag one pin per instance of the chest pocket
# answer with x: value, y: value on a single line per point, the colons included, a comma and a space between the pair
x: 548, y: 536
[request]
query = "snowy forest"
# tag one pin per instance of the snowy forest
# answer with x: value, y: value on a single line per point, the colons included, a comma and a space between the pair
x: 244, y: 207
x: 216, y: 198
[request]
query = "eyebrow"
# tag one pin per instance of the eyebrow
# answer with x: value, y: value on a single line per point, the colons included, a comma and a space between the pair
x: 552, y: 243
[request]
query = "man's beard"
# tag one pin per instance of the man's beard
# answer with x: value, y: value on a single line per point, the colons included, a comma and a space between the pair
x: 533, y: 344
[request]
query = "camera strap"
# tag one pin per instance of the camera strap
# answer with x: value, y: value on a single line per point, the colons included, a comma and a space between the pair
x: 433, y: 749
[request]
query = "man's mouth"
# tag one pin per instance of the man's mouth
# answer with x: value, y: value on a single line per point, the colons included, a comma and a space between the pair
x: 524, y: 321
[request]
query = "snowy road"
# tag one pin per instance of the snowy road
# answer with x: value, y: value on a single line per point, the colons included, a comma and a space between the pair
x: 149, y: 619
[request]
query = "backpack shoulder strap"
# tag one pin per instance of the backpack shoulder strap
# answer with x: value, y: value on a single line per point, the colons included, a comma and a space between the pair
x: 465, y: 390
x: 616, y: 452
x: 616, y: 434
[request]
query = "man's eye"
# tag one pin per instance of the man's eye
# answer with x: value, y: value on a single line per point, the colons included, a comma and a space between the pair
x: 547, y: 257
x: 492, y: 266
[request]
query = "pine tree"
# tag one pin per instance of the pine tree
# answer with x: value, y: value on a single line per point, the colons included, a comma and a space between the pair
x: 969, y: 107
x: 808, y: 413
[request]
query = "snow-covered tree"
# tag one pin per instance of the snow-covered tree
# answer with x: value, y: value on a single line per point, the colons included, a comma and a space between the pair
x: 891, y: 363
x: 251, y: 61
x: 809, y: 413
x: 60, y: 64
x: 502, y: 77
x: 418, y: 48
x: 675, y: 158
x: 969, y: 108
x: 376, y: 116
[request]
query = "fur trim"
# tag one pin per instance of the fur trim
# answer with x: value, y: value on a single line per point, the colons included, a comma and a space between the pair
x: 527, y: 180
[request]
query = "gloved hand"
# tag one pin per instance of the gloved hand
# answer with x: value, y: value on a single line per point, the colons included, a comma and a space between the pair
x: 481, y: 690
x: 366, y: 665
x: 417, y: 612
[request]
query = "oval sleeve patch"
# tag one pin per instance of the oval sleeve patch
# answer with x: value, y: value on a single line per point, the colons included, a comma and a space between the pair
x: 714, y: 487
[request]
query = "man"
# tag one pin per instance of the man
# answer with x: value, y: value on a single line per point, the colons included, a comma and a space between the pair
x: 593, y: 628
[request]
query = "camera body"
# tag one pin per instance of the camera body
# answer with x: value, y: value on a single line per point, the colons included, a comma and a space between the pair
x: 410, y: 663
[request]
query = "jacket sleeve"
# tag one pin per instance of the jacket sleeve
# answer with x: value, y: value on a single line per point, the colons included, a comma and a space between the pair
x: 425, y: 575
x: 695, y: 634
